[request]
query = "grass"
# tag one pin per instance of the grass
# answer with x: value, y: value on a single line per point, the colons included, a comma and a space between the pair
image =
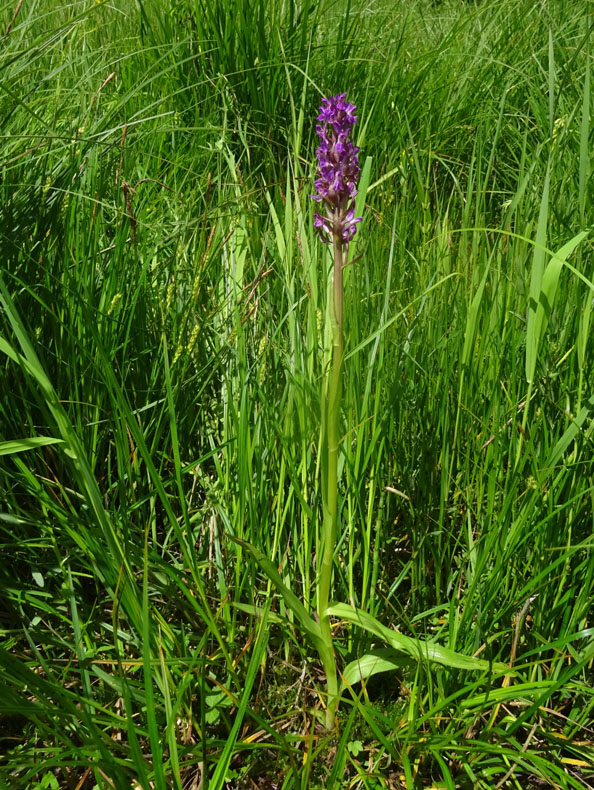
x: 162, y: 347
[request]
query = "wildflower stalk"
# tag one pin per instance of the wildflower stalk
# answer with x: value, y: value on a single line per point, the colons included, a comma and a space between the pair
x: 336, y: 187
x: 337, y: 174
x: 331, y: 402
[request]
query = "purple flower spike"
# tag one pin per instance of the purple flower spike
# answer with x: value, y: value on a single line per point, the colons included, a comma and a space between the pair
x: 338, y: 170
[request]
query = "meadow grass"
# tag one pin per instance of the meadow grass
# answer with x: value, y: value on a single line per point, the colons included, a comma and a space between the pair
x: 162, y: 295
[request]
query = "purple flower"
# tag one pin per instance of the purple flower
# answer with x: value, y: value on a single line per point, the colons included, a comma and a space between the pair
x: 338, y: 170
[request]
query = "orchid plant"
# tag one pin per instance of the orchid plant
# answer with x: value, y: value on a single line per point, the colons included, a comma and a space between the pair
x: 336, y: 181
x: 336, y: 185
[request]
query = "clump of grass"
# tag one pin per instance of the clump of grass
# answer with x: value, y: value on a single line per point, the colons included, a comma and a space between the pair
x: 161, y: 352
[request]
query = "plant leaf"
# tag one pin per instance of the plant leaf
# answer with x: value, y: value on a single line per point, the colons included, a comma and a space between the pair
x: 538, y: 265
x: 298, y: 609
x: 419, y: 649
x: 548, y: 289
x: 382, y: 660
x: 257, y: 611
x: 544, y: 300
x: 29, y: 443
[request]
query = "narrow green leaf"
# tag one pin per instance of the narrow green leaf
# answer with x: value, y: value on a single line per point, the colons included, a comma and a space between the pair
x: 548, y: 292
x: 298, y: 609
x: 218, y: 779
x: 149, y: 673
x: 584, y: 171
x: 278, y: 230
x: 551, y: 82
x: 256, y: 611
x: 21, y: 445
x: 571, y: 433
x: 363, y: 186
x: 471, y: 321
x: 538, y: 265
x: 394, y: 318
x: 417, y: 648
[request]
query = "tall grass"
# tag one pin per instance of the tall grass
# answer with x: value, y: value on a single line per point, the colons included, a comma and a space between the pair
x: 162, y: 349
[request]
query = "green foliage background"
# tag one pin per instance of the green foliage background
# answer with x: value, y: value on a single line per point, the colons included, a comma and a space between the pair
x: 161, y: 352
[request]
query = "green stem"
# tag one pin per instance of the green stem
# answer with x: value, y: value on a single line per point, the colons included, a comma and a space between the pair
x: 331, y: 399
